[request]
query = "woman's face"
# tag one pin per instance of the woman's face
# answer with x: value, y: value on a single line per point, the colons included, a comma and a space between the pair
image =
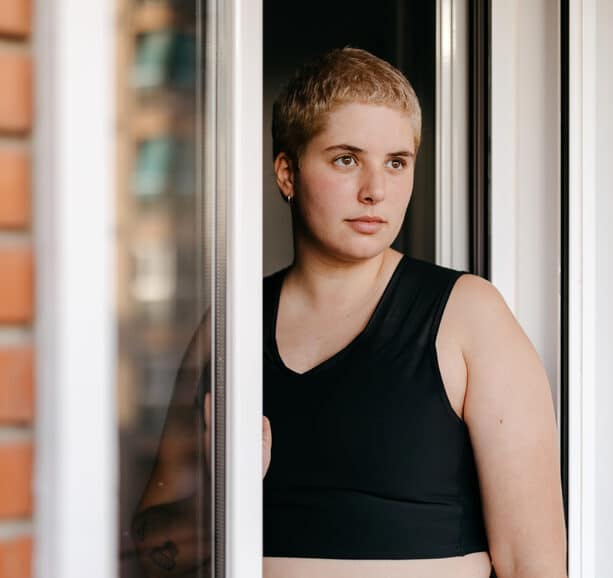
x: 361, y: 165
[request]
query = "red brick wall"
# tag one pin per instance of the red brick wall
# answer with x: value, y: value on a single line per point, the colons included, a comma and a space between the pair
x: 16, y: 290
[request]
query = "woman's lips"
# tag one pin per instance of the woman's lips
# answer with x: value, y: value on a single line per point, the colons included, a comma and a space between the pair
x: 367, y: 227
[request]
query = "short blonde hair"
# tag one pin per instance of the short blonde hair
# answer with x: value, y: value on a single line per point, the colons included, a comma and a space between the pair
x: 341, y: 76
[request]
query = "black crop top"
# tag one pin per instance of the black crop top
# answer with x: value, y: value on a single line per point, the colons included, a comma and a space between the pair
x: 369, y: 459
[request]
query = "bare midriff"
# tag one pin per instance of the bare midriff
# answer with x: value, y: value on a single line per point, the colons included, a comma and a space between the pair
x: 474, y: 565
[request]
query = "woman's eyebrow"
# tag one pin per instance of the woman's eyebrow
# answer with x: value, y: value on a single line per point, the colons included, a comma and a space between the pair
x: 354, y: 149
x: 345, y: 147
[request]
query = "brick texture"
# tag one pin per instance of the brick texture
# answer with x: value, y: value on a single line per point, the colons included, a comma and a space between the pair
x: 16, y: 385
x: 15, y: 17
x: 16, y: 285
x: 16, y: 282
x: 15, y: 479
x: 16, y: 557
x: 16, y: 102
x: 15, y: 187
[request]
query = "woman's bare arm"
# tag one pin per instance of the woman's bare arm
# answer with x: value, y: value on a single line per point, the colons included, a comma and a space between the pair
x: 509, y: 412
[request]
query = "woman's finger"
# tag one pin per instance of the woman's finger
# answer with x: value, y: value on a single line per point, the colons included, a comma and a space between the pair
x: 266, y: 444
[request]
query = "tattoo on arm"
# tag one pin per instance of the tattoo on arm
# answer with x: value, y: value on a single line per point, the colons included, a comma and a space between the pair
x: 169, y: 540
x: 164, y: 556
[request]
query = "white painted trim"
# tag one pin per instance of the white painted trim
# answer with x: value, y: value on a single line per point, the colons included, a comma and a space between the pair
x: 582, y: 288
x: 525, y: 169
x: 504, y: 162
x: 604, y: 282
x: 76, y: 455
x: 452, y: 151
x: 244, y: 291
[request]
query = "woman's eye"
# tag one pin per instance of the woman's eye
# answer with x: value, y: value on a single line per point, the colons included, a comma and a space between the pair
x: 345, y: 161
x: 396, y: 163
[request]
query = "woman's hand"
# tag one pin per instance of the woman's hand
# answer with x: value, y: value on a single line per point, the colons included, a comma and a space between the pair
x: 266, y: 444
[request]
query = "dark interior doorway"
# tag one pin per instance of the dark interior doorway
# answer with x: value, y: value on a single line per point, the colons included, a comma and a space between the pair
x: 399, y: 31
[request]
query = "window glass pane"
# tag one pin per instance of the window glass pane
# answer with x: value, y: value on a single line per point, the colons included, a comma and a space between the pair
x: 163, y: 290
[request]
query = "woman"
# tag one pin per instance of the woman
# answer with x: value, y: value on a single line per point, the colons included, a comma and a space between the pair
x: 413, y: 422
x: 414, y: 431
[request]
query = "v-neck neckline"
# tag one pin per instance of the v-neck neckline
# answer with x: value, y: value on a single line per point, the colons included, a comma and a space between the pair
x: 347, y: 348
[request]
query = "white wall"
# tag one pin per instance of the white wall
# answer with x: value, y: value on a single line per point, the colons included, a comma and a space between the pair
x: 525, y: 169
x: 604, y: 287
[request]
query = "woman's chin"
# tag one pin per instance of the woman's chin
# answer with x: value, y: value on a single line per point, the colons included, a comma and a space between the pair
x: 360, y: 251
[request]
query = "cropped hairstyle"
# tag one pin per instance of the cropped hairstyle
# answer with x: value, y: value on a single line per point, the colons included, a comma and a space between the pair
x: 341, y: 76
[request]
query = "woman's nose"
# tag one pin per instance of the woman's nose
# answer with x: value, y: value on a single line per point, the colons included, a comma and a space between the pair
x: 372, y: 185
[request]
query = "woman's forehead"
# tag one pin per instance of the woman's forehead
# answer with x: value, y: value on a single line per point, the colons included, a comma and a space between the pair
x: 366, y: 126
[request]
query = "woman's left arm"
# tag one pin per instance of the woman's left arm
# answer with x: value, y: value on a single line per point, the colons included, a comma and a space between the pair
x: 509, y: 412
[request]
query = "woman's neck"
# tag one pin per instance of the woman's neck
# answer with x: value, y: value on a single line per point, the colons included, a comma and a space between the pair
x: 325, y: 281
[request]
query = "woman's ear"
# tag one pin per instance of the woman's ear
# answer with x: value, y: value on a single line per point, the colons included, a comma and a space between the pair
x: 284, y: 174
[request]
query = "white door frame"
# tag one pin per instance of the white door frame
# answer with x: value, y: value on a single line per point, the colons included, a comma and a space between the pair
x: 239, y: 169
x: 75, y: 483
x: 582, y: 363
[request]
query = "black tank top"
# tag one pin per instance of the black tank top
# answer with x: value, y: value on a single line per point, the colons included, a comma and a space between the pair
x: 369, y: 459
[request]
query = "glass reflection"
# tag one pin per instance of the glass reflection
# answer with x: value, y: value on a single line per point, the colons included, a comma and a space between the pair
x: 163, y: 272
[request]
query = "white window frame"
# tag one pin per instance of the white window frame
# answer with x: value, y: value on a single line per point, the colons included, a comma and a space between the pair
x: 452, y: 139
x: 239, y: 164
x: 75, y: 481
x: 582, y: 321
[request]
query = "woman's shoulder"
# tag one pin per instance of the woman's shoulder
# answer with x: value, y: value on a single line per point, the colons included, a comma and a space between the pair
x: 429, y: 267
x: 473, y: 292
x: 477, y: 309
x: 431, y: 278
x: 466, y: 286
x: 471, y: 302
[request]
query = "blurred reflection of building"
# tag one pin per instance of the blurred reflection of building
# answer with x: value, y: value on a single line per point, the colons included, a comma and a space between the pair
x: 157, y: 228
